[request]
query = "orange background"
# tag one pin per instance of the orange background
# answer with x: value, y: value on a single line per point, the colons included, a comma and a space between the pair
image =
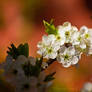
x: 21, y: 21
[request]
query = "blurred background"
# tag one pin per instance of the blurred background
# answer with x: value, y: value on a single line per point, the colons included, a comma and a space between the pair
x: 21, y: 21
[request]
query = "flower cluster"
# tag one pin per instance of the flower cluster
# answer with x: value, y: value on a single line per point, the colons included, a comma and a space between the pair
x: 65, y: 43
x: 25, y: 73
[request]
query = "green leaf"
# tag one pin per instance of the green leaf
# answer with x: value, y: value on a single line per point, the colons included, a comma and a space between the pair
x: 35, y: 70
x: 27, y: 69
x: 50, y: 28
x: 20, y: 50
x: 23, y: 49
x: 39, y: 62
x: 13, y: 51
x: 50, y: 77
x: 26, y: 46
x: 30, y: 70
x: 51, y: 21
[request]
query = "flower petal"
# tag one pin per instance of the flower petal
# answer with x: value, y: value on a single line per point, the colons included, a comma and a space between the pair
x: 74, y: 60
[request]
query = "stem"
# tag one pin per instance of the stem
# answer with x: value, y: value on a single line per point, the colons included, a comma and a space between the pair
x: 50, y: 61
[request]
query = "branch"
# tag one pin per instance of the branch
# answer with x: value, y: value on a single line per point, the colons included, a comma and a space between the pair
x: 50, y: 61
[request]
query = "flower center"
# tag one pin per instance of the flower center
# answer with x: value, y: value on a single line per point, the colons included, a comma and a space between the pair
x: 79, y: 38
x: 67, y: 33
x: 50, y: 50
x: 86, y: 36
x: 66, y: 57
x: 58, y: 38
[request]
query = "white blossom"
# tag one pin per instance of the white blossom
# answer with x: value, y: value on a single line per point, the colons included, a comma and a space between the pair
x: 48, y: 48
x: 7, y: 64
x: 18, y: 63
x: 67, y: 56
x: 70, y: 33
x: 14, y: 68
x: 82, y: 45
x: 65, y: 26
x: 86, y: 39
x: 75, y: 38
x: 89, y: 43
x: 65, y: 29
x: 78, y: 41
x: 16, y: 72
x: 83, y: 30
x: 26, y: 84
x: 60, y: 37
x: 87, y: 87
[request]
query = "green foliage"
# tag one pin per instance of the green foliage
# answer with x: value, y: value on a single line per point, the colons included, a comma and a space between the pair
x: 27, y: 68
x: 20, y: 50
x: 35, y: 70
x: 50, y: 28
x: 39, y: 62
x: 31, y: 70
x: 24, y: 49
x: 13, y: 51
x: 50, y: 77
